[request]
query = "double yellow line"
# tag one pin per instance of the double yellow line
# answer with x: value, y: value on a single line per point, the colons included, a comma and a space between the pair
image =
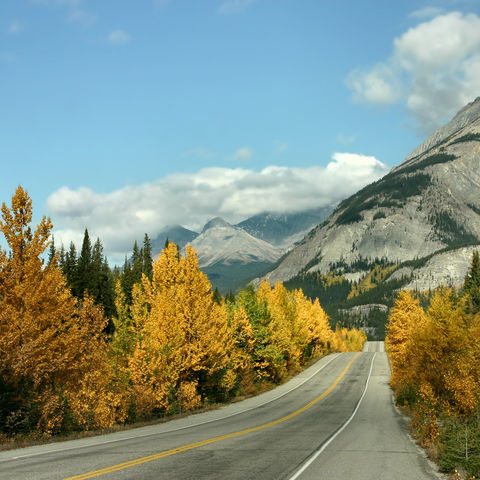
x: 191, y: 446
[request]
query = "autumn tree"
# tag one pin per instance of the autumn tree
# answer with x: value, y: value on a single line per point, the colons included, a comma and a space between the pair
x: 183, y: 338
x: 52, y: 352
x: 405, y: 316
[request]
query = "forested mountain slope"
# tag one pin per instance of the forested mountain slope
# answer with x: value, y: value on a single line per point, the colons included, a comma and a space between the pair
x: 431, y: 202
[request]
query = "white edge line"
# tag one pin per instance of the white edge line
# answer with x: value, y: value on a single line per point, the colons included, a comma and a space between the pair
x: 324, y: 445
x: 334, y: 356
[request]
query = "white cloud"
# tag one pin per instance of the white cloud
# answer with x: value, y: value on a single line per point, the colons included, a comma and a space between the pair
x: 433, y: 70
x: 230, y: 7
x: 379, y: 86
x: 15, y: 27
x: 243, y: 154
x: 121, y: 216
x: 119, y: 37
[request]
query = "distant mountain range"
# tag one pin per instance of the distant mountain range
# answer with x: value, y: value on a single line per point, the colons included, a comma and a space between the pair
x: 415, y: 228
x: 232, y: 255
x: 284, y: 230
x: 176, y: 233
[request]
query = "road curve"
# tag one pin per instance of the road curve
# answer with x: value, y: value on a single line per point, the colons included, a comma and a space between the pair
x: 333, y: 421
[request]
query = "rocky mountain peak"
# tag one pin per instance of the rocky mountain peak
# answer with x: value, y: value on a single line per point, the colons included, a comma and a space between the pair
x: 216, y: 222
x: 429, y: 203
x: 468, y: 115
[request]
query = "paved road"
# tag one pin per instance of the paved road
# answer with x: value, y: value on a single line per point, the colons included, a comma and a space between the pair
x: 327, y: 423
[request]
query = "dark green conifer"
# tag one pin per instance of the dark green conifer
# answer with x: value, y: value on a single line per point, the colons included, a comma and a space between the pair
x: 84, y: 268
x: 51, y: 251
x: 472, y: 284
x: 147, y: 257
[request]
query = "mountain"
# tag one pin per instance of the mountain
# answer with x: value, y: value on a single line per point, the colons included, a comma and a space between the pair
x: 428, y: 205
x: 284, y: 230
x: 176, y: 233
x: 230, y: 256
x: 223, y: 243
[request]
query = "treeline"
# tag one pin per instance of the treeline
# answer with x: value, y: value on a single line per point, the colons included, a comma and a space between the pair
x: 88, y: 273
x: 435, y: 360
x: 174, y: 346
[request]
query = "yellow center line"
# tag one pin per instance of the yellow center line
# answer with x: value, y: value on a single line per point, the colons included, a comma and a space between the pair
x: 191, y: 446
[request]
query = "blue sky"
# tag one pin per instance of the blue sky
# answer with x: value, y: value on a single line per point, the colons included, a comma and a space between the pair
x: 125, y: 116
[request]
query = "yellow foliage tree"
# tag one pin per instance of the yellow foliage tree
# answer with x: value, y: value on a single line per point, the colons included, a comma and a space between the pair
x: 52, y: 353
x: 406, y: 316
x: 183, y: 337
x: 315, y: 325
x: 286, y: 333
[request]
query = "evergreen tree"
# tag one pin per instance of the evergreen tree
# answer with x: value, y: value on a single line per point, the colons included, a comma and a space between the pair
x: 96, y: 267
x: 216, y: 297
x: 472, y: 284
x: 51, y: 251
x: 137, y: 264
x: 147, y: 257
x: 126, y: 281
x: 69, y: 266
x: 102, y: 283
x: 84, y: 268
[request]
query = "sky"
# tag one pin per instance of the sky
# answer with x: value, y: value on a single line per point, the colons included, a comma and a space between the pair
x: 125, y: 116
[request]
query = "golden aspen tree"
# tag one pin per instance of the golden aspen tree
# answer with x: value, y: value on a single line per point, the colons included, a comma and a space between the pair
x: 183, y: 338
x: 123, y: 340
x: 406, y: 315
x: 447, y: 357
x: 285, y: 344
x: 348, y: 340
x: 50, y: 350
x: 315, y: 325
x: 244, y: 338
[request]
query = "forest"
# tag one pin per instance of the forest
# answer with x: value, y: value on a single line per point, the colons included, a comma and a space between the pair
x: 435, y: 361
x: 83, y: 347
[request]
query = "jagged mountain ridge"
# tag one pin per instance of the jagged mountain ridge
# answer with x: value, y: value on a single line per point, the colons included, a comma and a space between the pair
x: 430, y: 202
x: 175, y: 233
x: 222, y: 243
x: 284, y: 229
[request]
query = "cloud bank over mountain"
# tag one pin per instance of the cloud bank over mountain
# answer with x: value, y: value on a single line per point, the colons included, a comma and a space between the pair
x: 434, y: 70
x: 190, y: 199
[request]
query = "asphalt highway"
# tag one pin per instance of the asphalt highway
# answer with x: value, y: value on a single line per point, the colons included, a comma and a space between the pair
x: 335, y: 420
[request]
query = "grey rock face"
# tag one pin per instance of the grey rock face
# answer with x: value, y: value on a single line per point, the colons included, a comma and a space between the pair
x: 364, y: 310
x: 284, y: 230
x: 448, y: 268
x: 177, y: 234
x: 223, y: 243
x: 430, y: 202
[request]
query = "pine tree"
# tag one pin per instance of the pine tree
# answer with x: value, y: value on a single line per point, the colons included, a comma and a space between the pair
x: 52, y: 251
x: 96, y: 265
x: 69, y: 267
x: 137, y: 263
x: 101, y: 282
x: 84, y: 268
x: 127, y: 280
x: 472, y: 284
x: 147, y: 257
